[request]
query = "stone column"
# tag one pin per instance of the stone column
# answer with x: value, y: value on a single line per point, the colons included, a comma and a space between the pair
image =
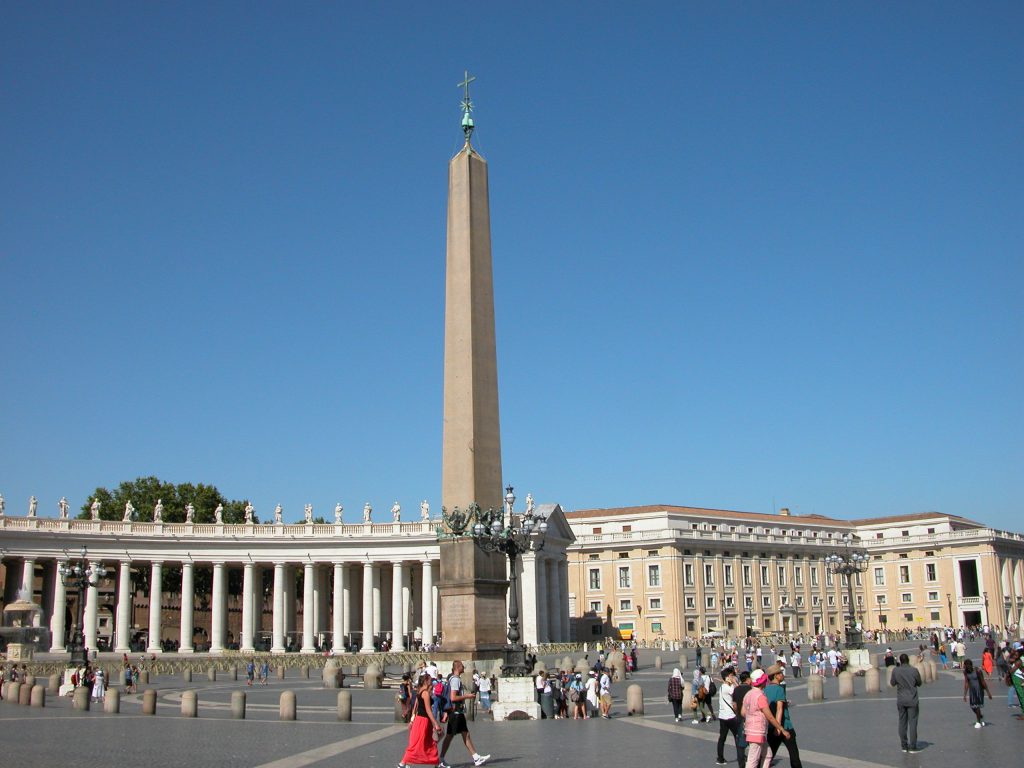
x: 377, y: 626
x: 530, y: 588
x: 397, y: 640
x: 406, y: 603
x: 436, y: 596
x: 338, y: 628
x: 91, y: 609
x: 346, y: 593
x: 554, y: 600
x: 156, y: 575
x: 308, y: 575
x: 257, y: 603
x: 541, y: 603
x: 427, y: 602
x: 57, y: 619
x: 277, y: 643
x: 28, y: 579
x: 124, y: 608
x: 319, y: 601
x: 188, y: 599
x: 217, y: 609
x: 368, y: 590
x: 248, y: 605
x: 289, y: 601
x: 46, y: 591
x: 563, y: 596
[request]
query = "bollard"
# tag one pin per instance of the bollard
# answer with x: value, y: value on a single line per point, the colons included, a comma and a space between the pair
x: 30, y: 680
x: 354, y: 670
x: 288, y: 706
x: 344, y: 706
x: 211, y: 674
x: 53, y: 683
x: 371, y: 678
x: 238, y: 705
x: 149, y: 702
x: 38, y: 696
x: 304, y: 672
x: 872, y: 681
x: 845, y: 685
x: 682, y: 662
x: 815, y: 688
x: 657, y: 662
x: 186, y: 675
x: 143, y: 677
x: 635, y: 700
x: 399, y: 710
x: 891, y: 670
x: 80, y: 699
x: 189, y: 704
x: 112, y: 701
x: 330, y: 675
x: 234, y: 672
x: 4, y: 690
x: 581, y: 666
x: 25, y: 694
x: 280, y: 673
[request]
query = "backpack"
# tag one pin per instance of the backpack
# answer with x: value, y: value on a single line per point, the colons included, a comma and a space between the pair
x: 441, y: 699
x: 712, y: 689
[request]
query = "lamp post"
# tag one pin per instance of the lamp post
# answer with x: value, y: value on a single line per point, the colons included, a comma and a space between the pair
x: 881, y: 619
x: 949, y: 604
x: 490, y: 531
x: 985, y: 595
x: 80, y: 576
x: 847, y: 564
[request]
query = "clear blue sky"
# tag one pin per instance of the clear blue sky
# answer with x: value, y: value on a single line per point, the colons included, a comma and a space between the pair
x: 746, y: 256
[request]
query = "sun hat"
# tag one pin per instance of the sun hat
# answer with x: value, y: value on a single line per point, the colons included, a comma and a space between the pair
x: 758, y: 678
x: 774, y: 669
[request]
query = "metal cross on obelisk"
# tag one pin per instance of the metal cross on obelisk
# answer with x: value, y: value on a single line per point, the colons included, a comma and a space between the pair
x: 467, y: 106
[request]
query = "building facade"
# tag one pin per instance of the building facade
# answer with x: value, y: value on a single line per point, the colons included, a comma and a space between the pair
x: 666, y: 572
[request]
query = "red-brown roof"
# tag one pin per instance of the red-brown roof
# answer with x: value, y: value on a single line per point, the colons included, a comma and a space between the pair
x: 764, y: 517
x: 915, y: 516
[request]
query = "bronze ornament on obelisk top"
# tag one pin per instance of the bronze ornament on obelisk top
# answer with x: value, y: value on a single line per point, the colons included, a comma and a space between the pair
x: 473, y: 584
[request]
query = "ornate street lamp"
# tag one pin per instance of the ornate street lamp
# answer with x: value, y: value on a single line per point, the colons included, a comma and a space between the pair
x: 985, y: 595
x: 80, y: 576
x: 490, y: 531
x: 949, y: 604
x: 847, y: 564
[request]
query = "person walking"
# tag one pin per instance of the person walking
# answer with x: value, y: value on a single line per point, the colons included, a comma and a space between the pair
x: 675, y: 693
x: 728, y: 717
x: 702, y: 696
x: 424, y: 730
x: 605, y: 695
x: 757, y: 716
x: 906, y: 680
x: 578, y: 698
x: 457, y: 718
x: 975, y: 686
x: 775, y: 692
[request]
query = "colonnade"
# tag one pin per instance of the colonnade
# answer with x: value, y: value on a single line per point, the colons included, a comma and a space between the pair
x: 544, y: 597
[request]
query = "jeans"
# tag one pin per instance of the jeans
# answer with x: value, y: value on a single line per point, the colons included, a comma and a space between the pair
x: 759, y: 755
x: 775, y: 740
x: 724, y: 728
x: 908, y: 725
x: 677, y: 707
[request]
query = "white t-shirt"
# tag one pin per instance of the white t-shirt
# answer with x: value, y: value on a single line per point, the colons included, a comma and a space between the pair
x: 539, y: 682
x: 455, y: 685
x: 484, y: 684
x: 606, y: 684
x: 724, y: 700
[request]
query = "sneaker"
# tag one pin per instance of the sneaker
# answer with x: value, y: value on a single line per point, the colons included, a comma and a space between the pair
x: 977, y: 725
x: 442, y: 764
x: 720, y: 762
x: 480, y: 759
x: 913, y: 750
x: 695, y: 721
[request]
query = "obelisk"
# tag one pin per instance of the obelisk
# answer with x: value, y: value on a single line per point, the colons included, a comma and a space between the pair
x: 473, y: 584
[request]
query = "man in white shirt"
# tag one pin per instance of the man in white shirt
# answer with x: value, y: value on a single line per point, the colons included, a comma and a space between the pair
x: 833, y: 661
x: 457, y: 718
x: 605, y: 695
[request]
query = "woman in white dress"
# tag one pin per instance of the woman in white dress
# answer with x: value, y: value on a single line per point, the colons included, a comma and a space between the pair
x: 99, y: 687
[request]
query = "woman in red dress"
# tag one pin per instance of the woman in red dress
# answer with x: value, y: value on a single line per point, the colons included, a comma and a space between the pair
x: 424, y: 729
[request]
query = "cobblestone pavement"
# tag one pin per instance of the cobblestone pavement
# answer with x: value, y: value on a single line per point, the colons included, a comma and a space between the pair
x: 836, y: 733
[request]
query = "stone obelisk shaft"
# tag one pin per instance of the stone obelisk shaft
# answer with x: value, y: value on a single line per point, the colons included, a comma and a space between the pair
x: 472, y: 587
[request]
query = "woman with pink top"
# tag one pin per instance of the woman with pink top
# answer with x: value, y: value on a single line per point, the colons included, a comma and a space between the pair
x: 757, y: 716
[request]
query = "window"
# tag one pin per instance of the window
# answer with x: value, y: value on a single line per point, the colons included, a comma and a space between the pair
x: 935, y: 616
x: 846, y: 600
x: 625, y: 605
x: 627, y: 528
x: 798, y: 576
x: 691, y: 603
x: 655, y: 603
x: 782, y: 575
x: 908, y: 617
x: 624, y: 577
x: 814, y: 577
x: 878, y: 535
x: 764, y: 575
x: 907, y: 597
x: 595, y: 629
x: 623, y: 555
x: 883, y: 599
x: 656, y: 626
x: 929, y: 572
x: 879, y: 577
x: 766, y: 601
x: 746, y: 576
x: 799, y: 601
x: 709, y: 575
x: 748, y: 601
x: 654, y: 575
x: 595, y: 578
x: 727, y: 575
x: 904, y: 533
x: 828, y: 578
x: 933, y: 597
x: 652, y: 553
x: 730, y: 601
x: 931, y: 530
x: 593, y: 557
x: 712, y: 623
x: 831, y: 601
x: 904, y: 574
x: 595, y: 606
x: 690, y: 625
x: 597, y: 531
x: 688, y: 574
x: 709, y: 602
x: 815, y: 600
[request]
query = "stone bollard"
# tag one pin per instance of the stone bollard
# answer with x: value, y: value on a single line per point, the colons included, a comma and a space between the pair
x: 30, y: 680
x: 304, y: 672
x: 11, y: 692
x: 189, y: 704
x: 211, y: 674
x: 112, y: 701
x: 80, y: 699
x: 25, y: 694
x: 53, y: 683
x: 399, y: 710
x: 353, y: 670
x: 38, y: 696
x: 845, y: 685
x: 682, y: 662
x: 657, y: 662
x: 371, y: 678
x: 687, y: 698
x: 149, y: 702
x: 330, y: 675
x: 581, y: 666
x: 238, y: 705
x: 143, y: 677
x: 344, y: 706
x: 815, y: 688
x: 3, y: 691
x: 288, y: 705
x: 872, y: 680
x: 234, y: 673
x: 280, y: 673
x: 635, y: 700
x: 186, y: 675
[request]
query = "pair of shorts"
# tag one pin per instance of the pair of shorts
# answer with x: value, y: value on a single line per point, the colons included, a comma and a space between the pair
x: 457, y: 723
